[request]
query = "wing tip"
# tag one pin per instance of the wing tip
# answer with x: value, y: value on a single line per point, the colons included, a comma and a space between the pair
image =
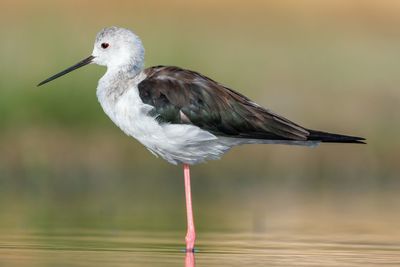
x: 335, y: 138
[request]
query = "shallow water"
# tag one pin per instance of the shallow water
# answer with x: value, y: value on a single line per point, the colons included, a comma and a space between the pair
x: 371, y: 246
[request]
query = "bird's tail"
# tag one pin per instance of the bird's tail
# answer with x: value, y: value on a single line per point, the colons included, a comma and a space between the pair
x: 333, y: 138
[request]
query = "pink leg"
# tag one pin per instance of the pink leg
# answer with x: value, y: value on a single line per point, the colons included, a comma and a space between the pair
x: 191, y: 234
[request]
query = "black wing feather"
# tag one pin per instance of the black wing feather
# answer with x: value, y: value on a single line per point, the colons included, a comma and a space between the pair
x: 211, y: 106
x: 181, y: 96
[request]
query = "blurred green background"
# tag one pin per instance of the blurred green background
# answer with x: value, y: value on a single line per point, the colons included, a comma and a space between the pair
x: 329, y: 65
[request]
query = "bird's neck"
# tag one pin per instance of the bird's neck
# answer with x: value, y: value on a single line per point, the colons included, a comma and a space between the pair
x: 116, y: 82
x: 128, y: 71
x: 117, y: 79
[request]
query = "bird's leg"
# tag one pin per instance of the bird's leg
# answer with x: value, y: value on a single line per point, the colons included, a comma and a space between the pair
x: 191, y: 234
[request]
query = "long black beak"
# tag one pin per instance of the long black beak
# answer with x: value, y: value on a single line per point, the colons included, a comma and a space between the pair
x: 82, y: 63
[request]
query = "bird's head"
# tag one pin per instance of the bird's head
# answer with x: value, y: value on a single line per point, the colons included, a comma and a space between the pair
x: 117, y: 48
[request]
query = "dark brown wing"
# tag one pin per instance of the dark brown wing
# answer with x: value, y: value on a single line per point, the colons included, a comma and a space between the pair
x: 185, y: 97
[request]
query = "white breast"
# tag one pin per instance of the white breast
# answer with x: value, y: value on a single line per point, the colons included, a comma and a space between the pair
x: 174, y: 142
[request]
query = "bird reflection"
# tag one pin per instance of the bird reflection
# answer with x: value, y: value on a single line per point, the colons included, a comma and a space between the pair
x: 189, y: 259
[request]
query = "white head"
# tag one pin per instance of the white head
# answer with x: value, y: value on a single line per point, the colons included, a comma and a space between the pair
x: 116, y: 48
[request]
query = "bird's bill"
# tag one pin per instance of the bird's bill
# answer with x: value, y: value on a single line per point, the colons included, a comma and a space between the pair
x: 82, y: 63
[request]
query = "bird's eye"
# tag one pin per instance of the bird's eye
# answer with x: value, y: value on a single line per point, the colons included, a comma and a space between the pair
x: 105, y: 45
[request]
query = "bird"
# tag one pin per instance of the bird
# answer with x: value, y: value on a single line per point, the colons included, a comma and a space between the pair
x: 181, y: 115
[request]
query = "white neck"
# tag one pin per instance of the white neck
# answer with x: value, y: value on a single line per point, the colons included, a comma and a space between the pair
x: 128, y: 71
x: 115, y: 83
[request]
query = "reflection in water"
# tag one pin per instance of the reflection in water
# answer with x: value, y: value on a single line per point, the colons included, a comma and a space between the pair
x: 190, y: 260
x: 285, y: 246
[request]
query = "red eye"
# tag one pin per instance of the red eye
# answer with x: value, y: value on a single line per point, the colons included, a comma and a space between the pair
x: 104, y: 45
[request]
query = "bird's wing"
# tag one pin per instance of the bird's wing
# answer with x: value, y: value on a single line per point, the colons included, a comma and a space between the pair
x: 185, y: 97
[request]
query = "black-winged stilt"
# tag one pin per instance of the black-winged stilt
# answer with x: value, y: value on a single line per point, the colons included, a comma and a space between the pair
x: 181, y: 115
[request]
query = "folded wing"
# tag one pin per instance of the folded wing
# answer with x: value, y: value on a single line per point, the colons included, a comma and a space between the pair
x: 181, y: 96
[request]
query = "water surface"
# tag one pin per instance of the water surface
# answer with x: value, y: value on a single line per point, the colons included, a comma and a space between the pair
x: 285, y: 246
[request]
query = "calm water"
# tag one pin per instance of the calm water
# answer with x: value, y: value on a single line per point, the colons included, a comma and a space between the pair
x: 349, y: 246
